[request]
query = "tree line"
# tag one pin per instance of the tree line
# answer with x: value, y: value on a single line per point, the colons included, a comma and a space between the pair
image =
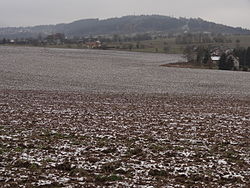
x: 244, y: 56
x: 229, y: 59
x: 194, y: 38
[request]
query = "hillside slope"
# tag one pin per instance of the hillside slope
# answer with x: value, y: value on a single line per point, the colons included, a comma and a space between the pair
x: 123, y: 25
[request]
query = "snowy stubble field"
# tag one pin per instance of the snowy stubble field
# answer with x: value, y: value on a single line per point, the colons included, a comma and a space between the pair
x: 83, y: 118
x: 111, y: 71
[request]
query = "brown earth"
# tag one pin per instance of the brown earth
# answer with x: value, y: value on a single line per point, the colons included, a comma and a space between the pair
x: 192, y: 65
x: 56, y: 139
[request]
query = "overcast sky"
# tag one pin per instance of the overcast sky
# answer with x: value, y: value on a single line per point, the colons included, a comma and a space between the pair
x: 37, y: 12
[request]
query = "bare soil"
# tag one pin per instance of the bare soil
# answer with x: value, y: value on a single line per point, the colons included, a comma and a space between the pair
x: 192, y: 65
x: 67, y: 139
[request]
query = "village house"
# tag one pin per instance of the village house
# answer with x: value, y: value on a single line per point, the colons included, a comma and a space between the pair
x: 94, y: 45
x: 216, y: 52
x: 215, y: 59
x: 56, y: 38
x: 236, y: 61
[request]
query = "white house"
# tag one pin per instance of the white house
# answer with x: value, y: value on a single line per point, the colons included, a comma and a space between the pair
x: 215, y: 59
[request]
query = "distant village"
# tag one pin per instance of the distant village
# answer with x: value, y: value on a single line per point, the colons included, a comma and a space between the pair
x: 215, y: 57
x: 53, y: 39
x: 220, y: 57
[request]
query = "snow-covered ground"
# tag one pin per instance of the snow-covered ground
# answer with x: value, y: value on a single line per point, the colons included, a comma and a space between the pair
x: 90, y: 118
x: 112, y: 71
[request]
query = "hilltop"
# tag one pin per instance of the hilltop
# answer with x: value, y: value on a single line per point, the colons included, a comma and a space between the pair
x: 123, y: 25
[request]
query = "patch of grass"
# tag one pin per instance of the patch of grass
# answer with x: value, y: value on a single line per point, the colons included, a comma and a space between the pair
x: 25, y: 164
x: 48, y: 160
x: 156, y: 172
x: 4, y: 149
x: 19, y: 149
x: 102, y: 142
x: 231, y: 154
x: 113, y: 177
x: 150, y: 139
x: 52, y: 185
x: 84, y: 138
x: 110, y: 150
x: 233, y: 157
x: 61, y: 136
x: 156, y: 148
x: 192, y: 65
x: 225, y: 144
x: 2, y: 130
x: 170, y: 154
x: 121, y: 171
x: 214, y: 149
x: 44, y: 147
x: 182, y: 179
x: 229, y: 180
x: 77, y: 142
x: 50, y: 135
x: 110, y: 167
x: 93, y: 159
x: 178, y: 148
x: 131, y: 141
x: 198, y: 178
x: 135, y: 151
x: 65, y: 166
x: 78, y: 172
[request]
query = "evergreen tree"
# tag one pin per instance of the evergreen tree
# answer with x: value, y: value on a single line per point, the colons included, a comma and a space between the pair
x: 247, y: 59
x: 226, y: 63
x: 4, y: 41
x: 206, y: 57
x: 222, y: 62
x: 241, y: 53
x: 229, y: 63
x: 200, y: 54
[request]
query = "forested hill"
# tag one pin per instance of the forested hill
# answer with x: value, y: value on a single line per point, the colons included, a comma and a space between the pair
x: 123, y: 25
